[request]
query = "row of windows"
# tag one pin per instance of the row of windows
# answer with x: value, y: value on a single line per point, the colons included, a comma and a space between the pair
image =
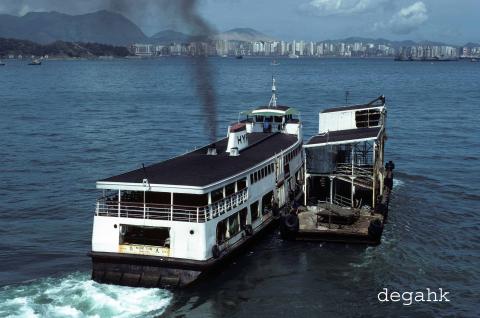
x: 231, y: 226
x: 292, y: 154
x: 235, y: 223
x: 262, y: 173
x: 217, y: 194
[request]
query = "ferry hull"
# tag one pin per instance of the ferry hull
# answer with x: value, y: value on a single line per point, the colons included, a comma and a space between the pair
x: 144, y: 271
x: 153, y: 271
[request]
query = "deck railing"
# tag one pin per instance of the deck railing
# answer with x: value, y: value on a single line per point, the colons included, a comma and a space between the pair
x: 152, y: 211
x: 358, y: 171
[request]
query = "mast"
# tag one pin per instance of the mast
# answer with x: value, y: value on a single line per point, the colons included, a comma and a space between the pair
x: 273, y: 100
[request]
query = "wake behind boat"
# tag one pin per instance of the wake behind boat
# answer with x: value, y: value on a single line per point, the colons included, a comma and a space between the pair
x: 170, y: 223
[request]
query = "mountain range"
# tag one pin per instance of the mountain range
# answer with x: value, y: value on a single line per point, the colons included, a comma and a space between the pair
x: 99, y: 27
x: 47, y: 27
x: 115, y: 29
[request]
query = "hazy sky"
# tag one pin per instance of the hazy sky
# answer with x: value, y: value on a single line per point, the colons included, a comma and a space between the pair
x: 449, y: 21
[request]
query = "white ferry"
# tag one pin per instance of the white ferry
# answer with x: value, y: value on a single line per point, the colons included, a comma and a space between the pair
x: 169, y: 223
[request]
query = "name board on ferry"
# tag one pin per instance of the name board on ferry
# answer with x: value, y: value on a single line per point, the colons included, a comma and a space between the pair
x: 144, y: 250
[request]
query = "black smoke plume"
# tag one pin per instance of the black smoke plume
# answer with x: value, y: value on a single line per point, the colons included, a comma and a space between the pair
x: 185, y: 11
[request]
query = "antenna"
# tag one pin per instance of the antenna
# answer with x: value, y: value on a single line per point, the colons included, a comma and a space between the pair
x: 273, y: 100
x: 347, y: 93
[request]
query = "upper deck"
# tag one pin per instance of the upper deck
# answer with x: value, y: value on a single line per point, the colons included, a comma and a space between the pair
x: 198, y: 169
x: 351, y: 117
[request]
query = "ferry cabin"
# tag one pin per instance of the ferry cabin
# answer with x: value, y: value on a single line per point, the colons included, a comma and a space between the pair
x: 167, y: 223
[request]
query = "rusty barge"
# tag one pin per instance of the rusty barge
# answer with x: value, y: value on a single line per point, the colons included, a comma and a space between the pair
x: 346, y: 184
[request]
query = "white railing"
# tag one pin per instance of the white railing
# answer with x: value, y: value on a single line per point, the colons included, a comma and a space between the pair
x: 151, y: 211
x: 342, y: 201
x: 363, y: 172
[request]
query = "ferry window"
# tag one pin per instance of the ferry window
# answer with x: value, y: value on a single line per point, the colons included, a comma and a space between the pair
x: 221, y: 231
x: 259, y: 119
x: 254, y: 211
x: 229, y: 189
x: 217, y: 195
x: 158, y: 197
x: 367, y: 118
x: 251, y: 179
x: 132, y: 196
x: 233, y: 225
x: 243, y: 218
x: 273, y: 167
x: 241, y: 184
x: 278, y: 119
x: 267, y: 203
x: 187, y: 199
x: 269, y: 169
x: 262, y: 174
x: 156, y: 236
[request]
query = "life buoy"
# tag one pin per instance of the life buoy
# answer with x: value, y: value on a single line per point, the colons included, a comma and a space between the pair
x: 248, y: 230
x: 215, y: 251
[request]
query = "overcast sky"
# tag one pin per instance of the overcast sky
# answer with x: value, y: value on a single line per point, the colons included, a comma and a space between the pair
x: 452, y: 21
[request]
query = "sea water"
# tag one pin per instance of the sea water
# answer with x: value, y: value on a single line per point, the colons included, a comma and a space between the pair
x: 66, y: 124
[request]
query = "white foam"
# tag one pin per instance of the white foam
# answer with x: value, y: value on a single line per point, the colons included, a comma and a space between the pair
x: 77, y: 296
x: 397, y: 183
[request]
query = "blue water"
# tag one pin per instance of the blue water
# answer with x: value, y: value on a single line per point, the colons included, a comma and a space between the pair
x: 66, y: 124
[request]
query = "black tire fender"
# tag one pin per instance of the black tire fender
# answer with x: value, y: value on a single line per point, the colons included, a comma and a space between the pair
x: 215, y: 251
x: 292, y: 223
x: 248, y: 230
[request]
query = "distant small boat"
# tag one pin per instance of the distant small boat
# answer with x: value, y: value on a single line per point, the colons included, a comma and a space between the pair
x: 239, y: 57
x: 274, y: 63
x: 293, y: 56
x: 2, y: 64
x: 472, y: 60
x: 35, y: 62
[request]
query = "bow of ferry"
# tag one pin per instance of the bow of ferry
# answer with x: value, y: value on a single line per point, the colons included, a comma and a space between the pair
x: 171, y: 222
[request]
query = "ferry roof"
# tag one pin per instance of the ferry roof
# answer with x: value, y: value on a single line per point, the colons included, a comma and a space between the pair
x: 376, y: 103
x: 344, y: 136
x: 278, y: 110
x: 198, y: 169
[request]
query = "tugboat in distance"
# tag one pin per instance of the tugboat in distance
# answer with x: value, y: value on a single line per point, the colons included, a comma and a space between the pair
x: 1, y: 63
x: 35, y: 62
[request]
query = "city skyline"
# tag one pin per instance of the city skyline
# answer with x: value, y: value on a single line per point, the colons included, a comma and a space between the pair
x: 311, y: 20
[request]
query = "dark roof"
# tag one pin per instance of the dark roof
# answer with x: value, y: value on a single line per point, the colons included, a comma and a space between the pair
x: 378, y: 102
x: 344, y: 135
x: 198, y: 169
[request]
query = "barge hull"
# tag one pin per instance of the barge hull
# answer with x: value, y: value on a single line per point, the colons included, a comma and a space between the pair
x: 336, y: 238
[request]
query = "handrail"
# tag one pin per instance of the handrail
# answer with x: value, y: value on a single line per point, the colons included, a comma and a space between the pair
x: 346, y: 169
x: 154, y: 211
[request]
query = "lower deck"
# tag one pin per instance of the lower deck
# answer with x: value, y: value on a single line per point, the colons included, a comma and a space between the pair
x: 318, y: 223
